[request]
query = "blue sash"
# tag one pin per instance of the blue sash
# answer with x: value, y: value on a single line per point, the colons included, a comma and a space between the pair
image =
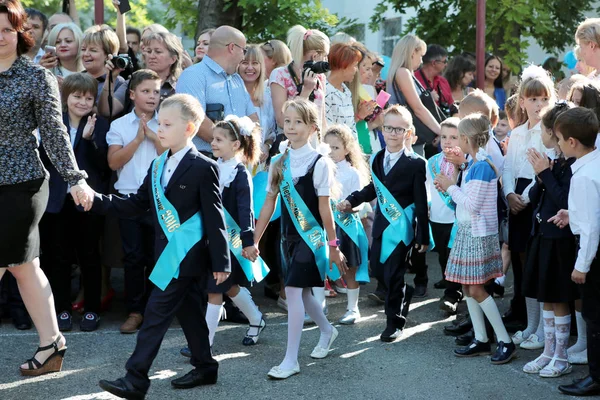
x: 259, y: 194
x: 453, y: 234
x: 181, y: 237
x: 400, y: 219
x: 351, y: 225
x: 256, y: 270
x: 305, y: 223
x: 435, y: 168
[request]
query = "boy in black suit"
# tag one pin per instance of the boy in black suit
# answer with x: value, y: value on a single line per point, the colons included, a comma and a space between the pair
x: 182, y: 190
x: 399, y: 186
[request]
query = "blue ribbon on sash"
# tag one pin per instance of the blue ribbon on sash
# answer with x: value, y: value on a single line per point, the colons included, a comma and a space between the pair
x: 350, y: 223
x: 256, y: 270
x: 400, y: 219
x: 259, y: 194
x: 305, y: 223
x: 181, y: 237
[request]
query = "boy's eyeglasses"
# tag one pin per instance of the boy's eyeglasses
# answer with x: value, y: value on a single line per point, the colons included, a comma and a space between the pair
x: 396, y: 130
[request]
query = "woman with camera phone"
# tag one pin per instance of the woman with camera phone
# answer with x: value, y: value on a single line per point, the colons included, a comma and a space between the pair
x: 99, y: 50
x: 305, y: 75
x: 407, y: 91
x: 63, y: 53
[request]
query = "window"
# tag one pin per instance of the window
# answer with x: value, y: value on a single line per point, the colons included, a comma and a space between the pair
x: 392, y: 28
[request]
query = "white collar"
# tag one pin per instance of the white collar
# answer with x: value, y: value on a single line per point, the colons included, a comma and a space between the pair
x: 584, y: 160
x: 180, y: 154
x: 227, y: 171
x: 134, y: 118
x: 396, y: 155
x: 343, y: 164
x: 536, y: 127
x: 302, y: 151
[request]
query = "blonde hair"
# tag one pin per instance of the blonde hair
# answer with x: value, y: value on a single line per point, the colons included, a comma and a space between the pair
x: 258, y: 87
x: 77, y: 34
x: 588, y: 31
x: 103, y: 36
x: 355, y: 156
x: 300, y: 41
x: 189, y: 107
x: 310, y: 116
x: 173, y: 46
x: 154, y: 28
x: 279, y: 52
x: 403, y: 53
x: 403, y: 112
x: 476, y: 127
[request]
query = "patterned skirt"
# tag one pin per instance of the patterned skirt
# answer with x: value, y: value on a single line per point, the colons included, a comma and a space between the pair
x: 473, y: 260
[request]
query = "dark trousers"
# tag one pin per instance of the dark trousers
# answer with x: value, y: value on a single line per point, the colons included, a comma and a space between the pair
x: 10, y: 298
x: 391, y: 273
x: 137, y: 235
x: 72, y: 237
x: 183, y: 298
x: 590, y: 311
x: 441, y: 236
x: 270, y: 251
x: 517, y: 304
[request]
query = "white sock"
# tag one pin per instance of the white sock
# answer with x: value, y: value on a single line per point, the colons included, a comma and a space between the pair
x: 563, y: 331
x: 533, y: 316
x: 581, y: 343
x: 476, y: 314
x: 295, y: 324
x: 213, y: 315
x: 319, y: 294
x: 490, y: 309
x: 353, y: 299
x: 540, y: 328
x: 500, y: 280
x: 315, y: 312
x: 245, y: 303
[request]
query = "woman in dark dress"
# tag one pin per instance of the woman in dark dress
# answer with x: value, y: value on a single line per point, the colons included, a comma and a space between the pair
x: 29, y: 99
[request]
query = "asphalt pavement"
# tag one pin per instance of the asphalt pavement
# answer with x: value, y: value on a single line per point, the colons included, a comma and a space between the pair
x: 418, y: 366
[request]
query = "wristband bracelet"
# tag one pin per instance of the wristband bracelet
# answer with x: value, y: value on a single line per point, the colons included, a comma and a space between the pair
x: 334, y: 243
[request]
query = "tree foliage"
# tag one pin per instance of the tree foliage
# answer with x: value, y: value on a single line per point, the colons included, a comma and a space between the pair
x: 452, y: 23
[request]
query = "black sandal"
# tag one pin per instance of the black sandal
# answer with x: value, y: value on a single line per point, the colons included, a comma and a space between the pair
x: 52, y: 364
x: 251, y: 340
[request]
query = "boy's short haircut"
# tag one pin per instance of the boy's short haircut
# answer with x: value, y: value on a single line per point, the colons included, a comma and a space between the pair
x: 79, y: 82
x: 502, y: 115
x: 451, y: 122
x: 477, y: 102
x: 140, y: 76
x: 578, y: 123
x: 402, y: 111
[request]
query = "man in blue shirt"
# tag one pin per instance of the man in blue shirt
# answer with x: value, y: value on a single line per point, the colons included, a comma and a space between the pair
x: 215, y: 81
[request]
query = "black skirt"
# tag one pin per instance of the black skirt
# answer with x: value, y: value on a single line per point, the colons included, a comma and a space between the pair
x: 237, y: 277
x: 548, y: 268
x: 299, y: 264
x: 23, y: 206
x: 348, y: 248
x: 519, y: 226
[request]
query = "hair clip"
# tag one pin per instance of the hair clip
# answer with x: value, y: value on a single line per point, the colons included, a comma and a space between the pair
x: 307, y: 34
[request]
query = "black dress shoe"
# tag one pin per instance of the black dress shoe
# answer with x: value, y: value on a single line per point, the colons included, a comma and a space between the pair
x: 466, y: 339
x: 497, y: 289
x: 186, y: 352
x: 460, y: 329
x: 504, y: 353
x: 390, y: 334
x: 440, y: 285
x: 195, y: 378
x: 122, y: 388
x: 583, y: 387
x: 65, y: 321
x: 420, y: 291
x: 511, y: 316
x: 449, y: 305
x: 20, y: 319
x: 476, y: 348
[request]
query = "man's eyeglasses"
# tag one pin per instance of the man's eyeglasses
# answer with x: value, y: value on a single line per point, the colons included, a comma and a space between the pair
x: 245, y: 50
x: 442, y: 61
x: 396, y: 130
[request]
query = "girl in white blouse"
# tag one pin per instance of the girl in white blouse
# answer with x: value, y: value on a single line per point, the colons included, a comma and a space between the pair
x: 352, y: 174
x: 536, y: 92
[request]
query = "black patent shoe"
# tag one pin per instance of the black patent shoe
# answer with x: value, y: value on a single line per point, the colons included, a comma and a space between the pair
x: 65, y: 321
x: 251, y: 340
x: 466, y: 339
x: 504, y: 353
x: 122, y: 388
x: 186, y: 352
x: 582, y: 387
x: 440, y: 285
x: 456, y: 330
x: 194, y: 378
x: 476, y: 348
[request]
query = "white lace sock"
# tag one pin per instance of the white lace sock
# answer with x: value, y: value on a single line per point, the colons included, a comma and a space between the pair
x: 581, y: 343
x: 563, y: 331
x: 490, y: 309
x: 477, y: 319
x: 295, y: 324
x: 213, y: 315
x: 244, y: 302
x: 549, y: 343
x: 315, y: 312
x: 353, y: 299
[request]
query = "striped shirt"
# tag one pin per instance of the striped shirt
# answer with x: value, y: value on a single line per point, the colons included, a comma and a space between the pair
x: 476, y: 199
x: 210, y: 84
